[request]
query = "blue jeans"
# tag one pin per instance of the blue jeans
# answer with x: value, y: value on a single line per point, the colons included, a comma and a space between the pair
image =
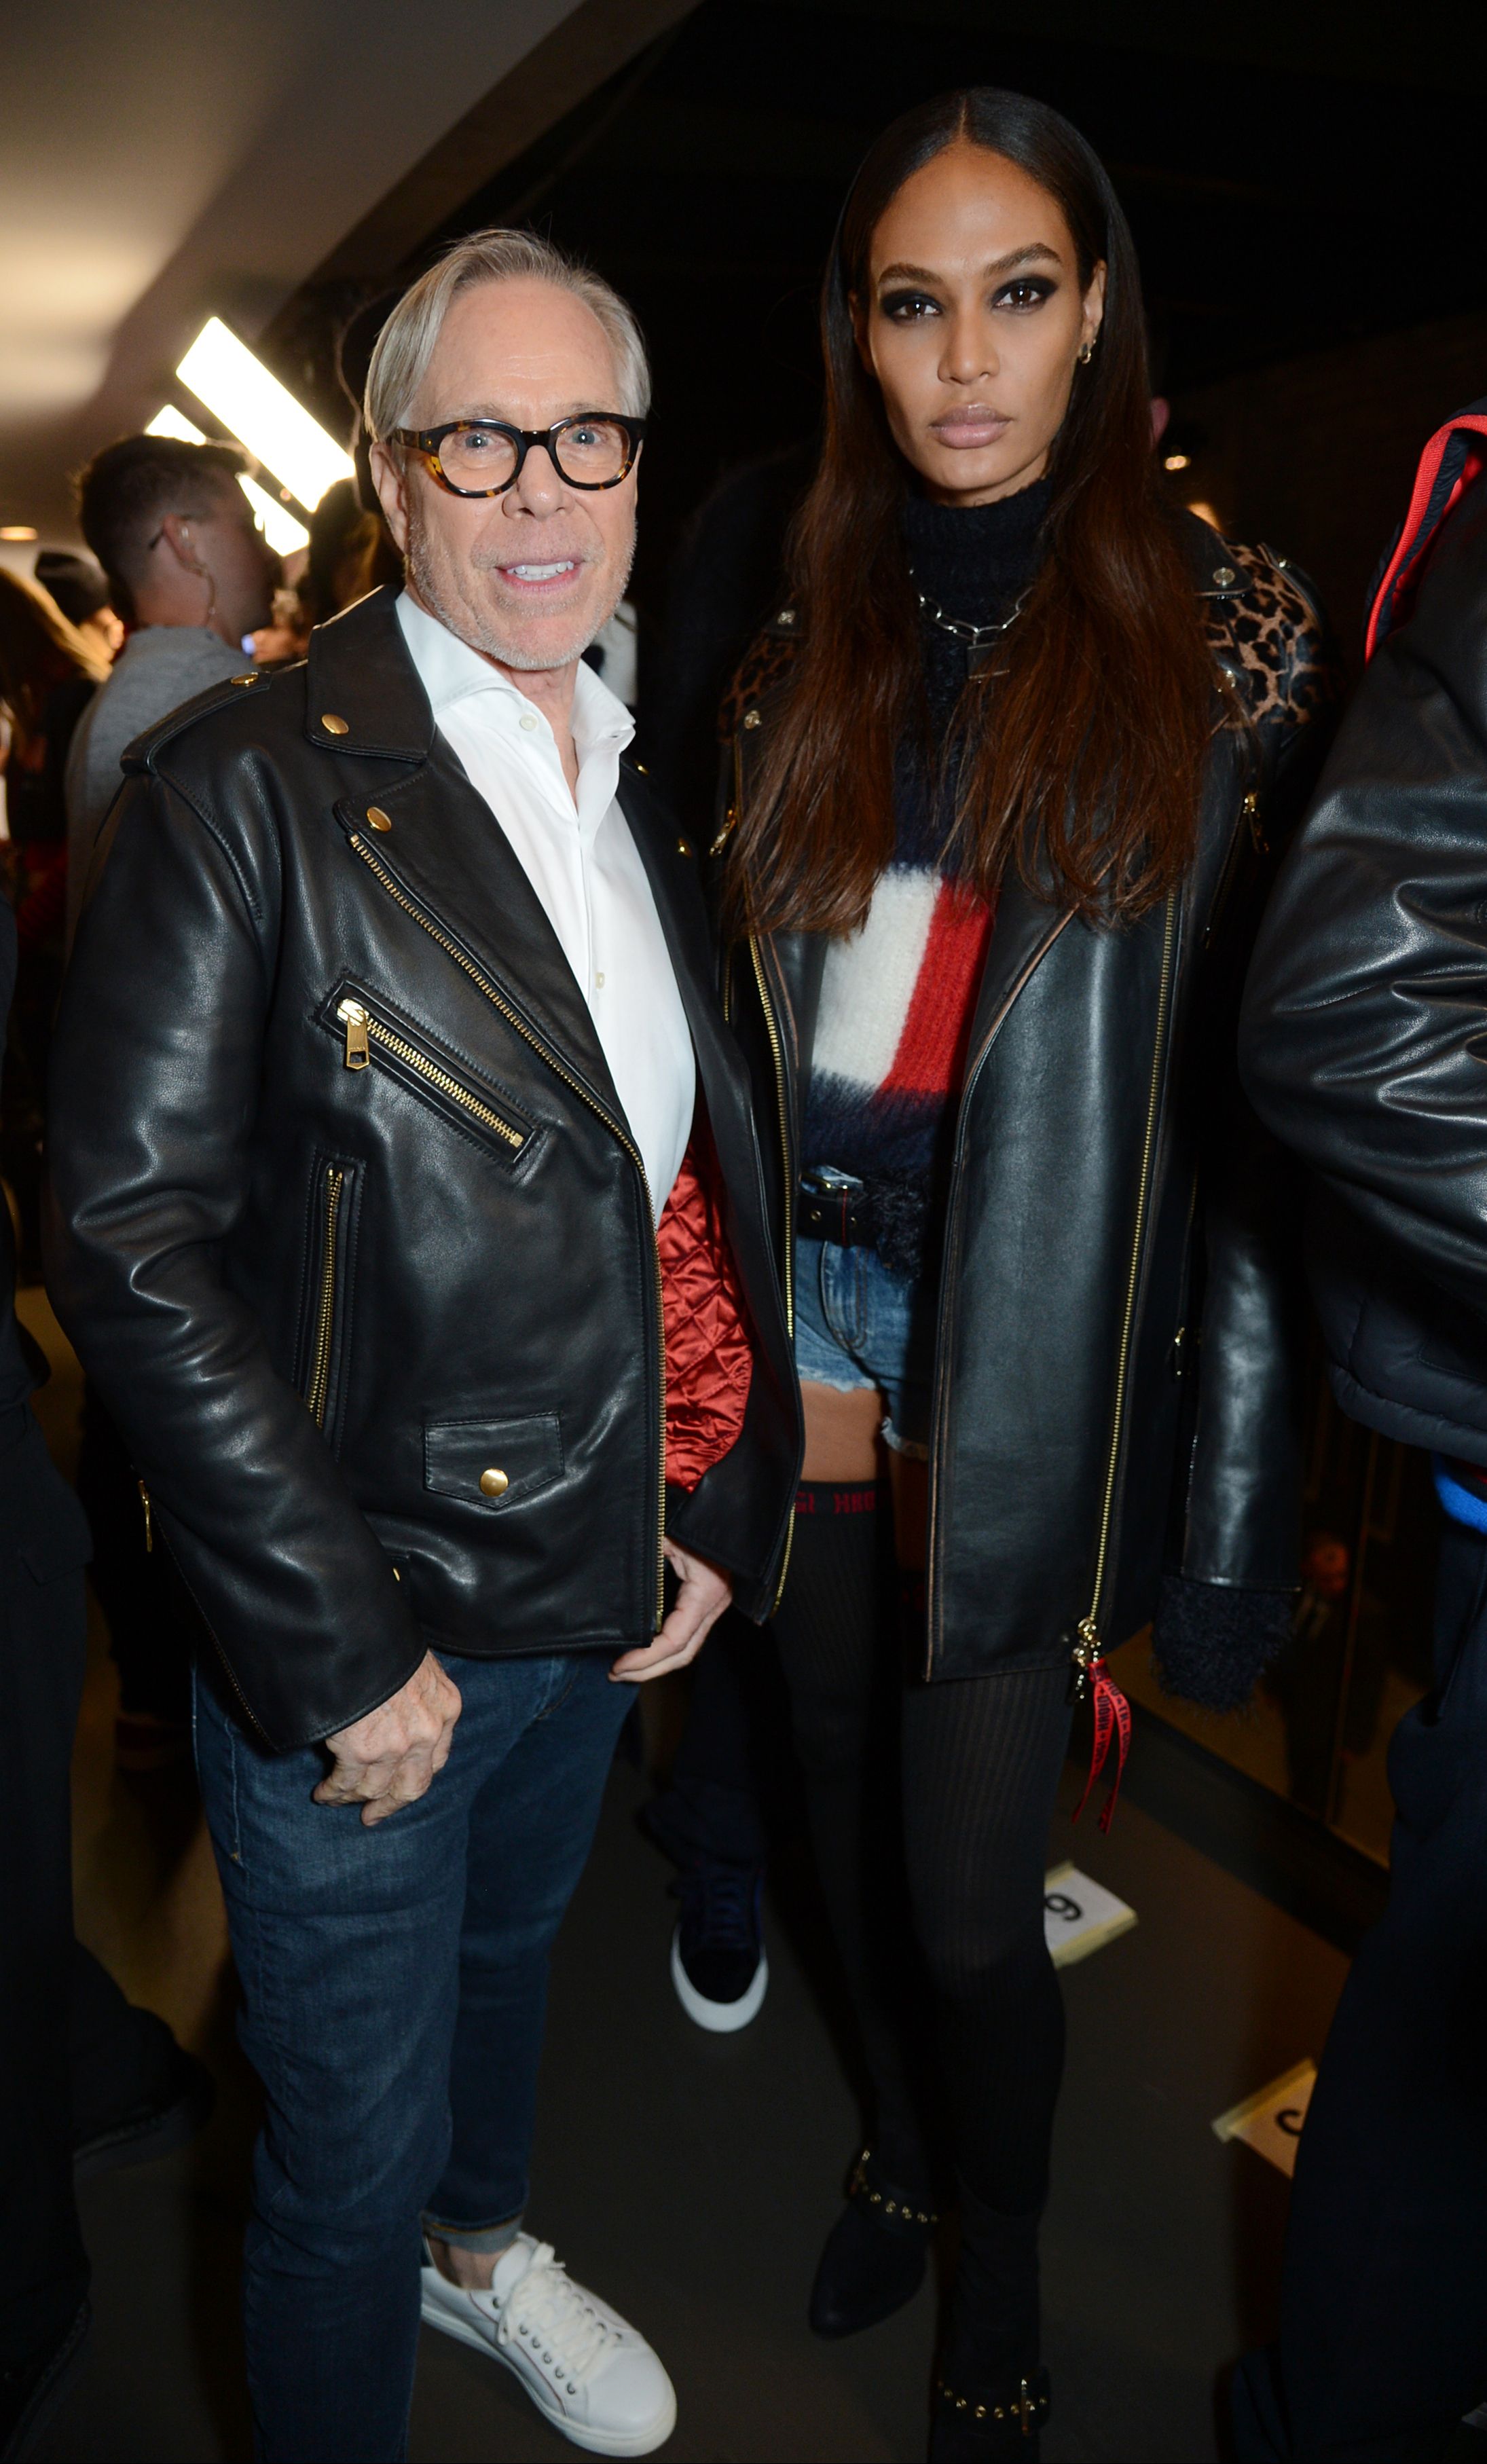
x: 858, y: 1324
x: 394, y: 1987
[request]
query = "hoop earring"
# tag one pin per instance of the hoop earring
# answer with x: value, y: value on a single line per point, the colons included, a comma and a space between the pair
x: 1087, y: 355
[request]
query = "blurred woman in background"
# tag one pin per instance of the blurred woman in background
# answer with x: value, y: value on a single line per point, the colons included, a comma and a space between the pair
x: 1005, y: 770
x: 49, y: 672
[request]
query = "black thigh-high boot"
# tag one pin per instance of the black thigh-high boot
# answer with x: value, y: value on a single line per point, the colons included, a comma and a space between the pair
x: 837, y: 1629
x: 982, y: 1764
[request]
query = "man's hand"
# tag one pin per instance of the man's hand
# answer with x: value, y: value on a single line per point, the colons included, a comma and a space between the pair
x: 704, y: 1595
x: 389, y: 1756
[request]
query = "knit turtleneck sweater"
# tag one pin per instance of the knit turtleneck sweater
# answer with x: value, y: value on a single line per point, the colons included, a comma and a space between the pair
x: 898, y: 996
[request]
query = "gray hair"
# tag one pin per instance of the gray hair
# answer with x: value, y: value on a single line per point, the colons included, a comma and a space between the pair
x: 406, y: 343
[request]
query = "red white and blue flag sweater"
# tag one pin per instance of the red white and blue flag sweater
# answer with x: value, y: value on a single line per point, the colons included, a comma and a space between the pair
x: 898, y: 996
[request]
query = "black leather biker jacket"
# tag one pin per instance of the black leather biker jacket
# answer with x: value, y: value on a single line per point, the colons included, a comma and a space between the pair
x: 322, y: 1299
x: 1116, y: 1370
x: 1365, y: 1026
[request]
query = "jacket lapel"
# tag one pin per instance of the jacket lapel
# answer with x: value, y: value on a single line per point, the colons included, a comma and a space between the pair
x: 1025, y: 931
x: 671, y: 870
x: 448, y: 849
x: 445, y: 846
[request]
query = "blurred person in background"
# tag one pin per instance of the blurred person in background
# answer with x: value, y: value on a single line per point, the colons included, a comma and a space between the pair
x: 1006, y: 765
x: 732, y: 1790
x: 1364, y: 1034
x: 343, y: 539
x: 86, y: 2080
x: 192, y: 576
x: 79, y: 586
x: 188, y: 566
x: 343, y: 549
x: 49, y: 673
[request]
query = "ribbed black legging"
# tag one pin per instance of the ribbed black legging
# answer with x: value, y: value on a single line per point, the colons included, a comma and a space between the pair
x: 929, y: 1811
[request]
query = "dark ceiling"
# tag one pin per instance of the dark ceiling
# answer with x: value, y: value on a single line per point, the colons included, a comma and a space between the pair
x: 1281, y: 204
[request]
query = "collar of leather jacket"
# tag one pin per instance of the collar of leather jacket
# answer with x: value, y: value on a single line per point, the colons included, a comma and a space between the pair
x: 360, y: 699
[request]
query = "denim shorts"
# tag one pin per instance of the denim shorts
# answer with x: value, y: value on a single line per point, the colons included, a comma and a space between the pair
x: 858, y: 1324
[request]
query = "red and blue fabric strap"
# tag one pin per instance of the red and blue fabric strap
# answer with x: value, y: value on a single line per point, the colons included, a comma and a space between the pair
x: 1112, y: 1727
x: 1450, y: 464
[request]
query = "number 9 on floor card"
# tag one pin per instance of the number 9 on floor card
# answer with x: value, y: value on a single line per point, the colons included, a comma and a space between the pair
x: 1079, y: 1916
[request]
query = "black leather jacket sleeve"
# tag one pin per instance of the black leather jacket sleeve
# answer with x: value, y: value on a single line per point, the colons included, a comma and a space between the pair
x: 251, y: 1501
x: 1364, y: 1030
x: 1241, y: 1471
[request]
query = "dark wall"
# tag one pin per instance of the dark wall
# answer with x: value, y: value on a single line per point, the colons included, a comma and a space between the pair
x: 1288, y: 217
x: 1277, y: 213
x: 1316, y: 456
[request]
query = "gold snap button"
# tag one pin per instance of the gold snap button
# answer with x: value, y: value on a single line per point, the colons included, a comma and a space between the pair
x: 1223, y: 575
x: 494, y: 1483
x: 332, y: 725
x: 378, y: 818
x: 244, y: 680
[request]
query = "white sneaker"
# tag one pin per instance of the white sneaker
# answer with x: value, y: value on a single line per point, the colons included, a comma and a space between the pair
x: 587, y: 2370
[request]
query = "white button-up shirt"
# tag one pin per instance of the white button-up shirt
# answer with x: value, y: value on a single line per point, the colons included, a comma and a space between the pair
x: 584, y: 867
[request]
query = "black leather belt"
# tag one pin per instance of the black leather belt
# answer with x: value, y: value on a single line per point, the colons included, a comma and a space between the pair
x: 842, y: 1213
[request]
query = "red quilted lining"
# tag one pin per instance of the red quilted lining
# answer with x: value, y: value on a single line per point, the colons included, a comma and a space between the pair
x: 710, y: 1360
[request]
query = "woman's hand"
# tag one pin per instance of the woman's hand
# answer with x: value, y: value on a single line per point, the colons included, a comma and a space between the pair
x: 704, y: 1595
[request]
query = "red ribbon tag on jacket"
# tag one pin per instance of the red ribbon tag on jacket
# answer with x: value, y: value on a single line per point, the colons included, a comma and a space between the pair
x: 1112, y: 1721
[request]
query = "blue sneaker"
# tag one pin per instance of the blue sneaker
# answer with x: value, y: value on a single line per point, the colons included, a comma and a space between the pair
x: 718, y: 1963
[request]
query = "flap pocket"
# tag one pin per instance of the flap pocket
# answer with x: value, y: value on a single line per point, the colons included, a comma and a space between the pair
x: 493, y: 1463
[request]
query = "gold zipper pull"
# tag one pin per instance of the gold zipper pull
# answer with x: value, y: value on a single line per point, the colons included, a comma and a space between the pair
x: 354, y: 1018
x: 149, y: 1519
x: 1086, y: 1651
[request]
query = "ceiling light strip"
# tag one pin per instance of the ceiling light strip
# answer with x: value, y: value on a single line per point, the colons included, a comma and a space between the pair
x: 277, y: 430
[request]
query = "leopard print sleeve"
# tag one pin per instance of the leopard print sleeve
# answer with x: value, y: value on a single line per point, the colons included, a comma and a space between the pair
x: 765, y: 664
x: 1273, y: 642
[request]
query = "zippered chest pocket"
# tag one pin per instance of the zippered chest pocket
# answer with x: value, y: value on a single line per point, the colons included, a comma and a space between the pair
x: 371, y: 1035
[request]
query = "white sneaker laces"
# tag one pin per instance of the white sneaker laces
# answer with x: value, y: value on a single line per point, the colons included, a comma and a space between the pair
x: 546, y: 2311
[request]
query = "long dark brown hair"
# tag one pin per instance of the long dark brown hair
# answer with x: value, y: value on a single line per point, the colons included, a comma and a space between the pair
x: 38, y: 648
x: 1081, y: 762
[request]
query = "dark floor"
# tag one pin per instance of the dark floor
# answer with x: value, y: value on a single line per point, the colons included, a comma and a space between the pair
x: 692, y: 2178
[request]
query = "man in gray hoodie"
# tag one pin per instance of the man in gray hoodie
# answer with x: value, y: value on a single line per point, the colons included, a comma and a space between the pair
x: 189, y: 570
x: 191, y: 573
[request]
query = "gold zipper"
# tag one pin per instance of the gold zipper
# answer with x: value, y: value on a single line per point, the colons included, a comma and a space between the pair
x: 1088, y: 1648
x: 325, y: 1325
x: 777, y: 1054
x: 515, y: 1020
x: 363, y: 1029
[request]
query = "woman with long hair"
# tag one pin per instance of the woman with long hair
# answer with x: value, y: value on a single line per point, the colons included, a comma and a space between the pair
x: 1006, y: 772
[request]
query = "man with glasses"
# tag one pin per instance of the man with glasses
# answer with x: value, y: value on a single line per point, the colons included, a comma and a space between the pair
x: 390, y: 1218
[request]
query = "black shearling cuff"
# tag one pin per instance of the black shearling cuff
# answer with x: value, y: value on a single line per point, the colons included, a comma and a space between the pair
x: 1211, y: 1640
